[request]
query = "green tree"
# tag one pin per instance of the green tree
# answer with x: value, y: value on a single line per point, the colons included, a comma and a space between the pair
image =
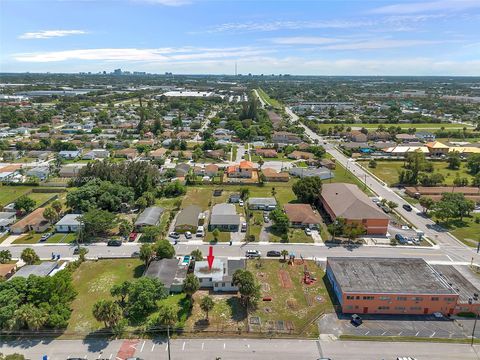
x: 14, y: 356
x: 51, y: 215
x: 426, y: 203
x: 57, y: 206
x: 147, y: 253
x: 284, y: 253
x: 108, y: 312
x: 207, y: 304
x: 150, y: 233
x: 24, y: 203
x: 308, y: 189
x: 247, y: 286
x: 216, y: 234
x: 167, y: 315
x: 97, y: 223
x: 197, y: 255
x: 353, y: 230
x: 29, y: 256
x: 280, y: 221
x: 392, y: 204
x: 454, y: 161
x: 191, y: 284
x: 121, y: 291
x: 31, y: 316
x: 5, y: 256
x: 164, y: 249
x: 473, y: 164
x: 244, y: 193
x: 372, y: 164
x: 143, y: 295
x: 125, y: 227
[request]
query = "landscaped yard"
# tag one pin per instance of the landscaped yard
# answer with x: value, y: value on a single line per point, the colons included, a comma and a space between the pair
x: 9, y: 194
x: 466, y: 231
x: 93, y: 280
x: 388, y: 171
x: 198, y: 195
x: 293, y: 302
x: 422, y: 126
x: 41, y: 198
x: 62, y: 238
x: 28, y: 239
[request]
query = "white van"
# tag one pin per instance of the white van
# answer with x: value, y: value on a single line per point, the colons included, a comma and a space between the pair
x: 200, y: 232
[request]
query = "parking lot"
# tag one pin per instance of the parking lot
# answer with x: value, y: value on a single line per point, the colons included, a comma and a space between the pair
x: 402, y: 325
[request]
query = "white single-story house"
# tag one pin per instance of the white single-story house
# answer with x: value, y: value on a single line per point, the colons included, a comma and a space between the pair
x: 219, y: 277
x: 69, y: 223
x: 268, y: 204
x: 69, y: 154
x: 40, y: 172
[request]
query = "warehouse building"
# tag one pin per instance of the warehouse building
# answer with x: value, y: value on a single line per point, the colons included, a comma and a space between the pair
x: 390, y: 286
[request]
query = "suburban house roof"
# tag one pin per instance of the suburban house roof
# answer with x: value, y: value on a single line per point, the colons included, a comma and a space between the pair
x: 269, y: 172
x: 387, y: 276
x: 42, y: 269
x: 262, y: 201
x: 302, y: 213
x: 167, y: 271
x: 6, y: 269
x: 224, y: 214
x: 222, y: 269
x: 34, y: 218
x: 211, y: 168
x: 69, y: 219
x: 436, y: 145
x: 244, y: 164
x: 349, y: 202
x: 188, y: 216
x: 149, y: 216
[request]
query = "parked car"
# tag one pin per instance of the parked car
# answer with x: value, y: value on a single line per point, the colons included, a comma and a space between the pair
x: 45, y: 236
x: 252, y: 254
x: 356, y: 320
x: 114, y: 243
x: 200, y: 232
x: 188, y: 234
x: 174, y: 235
x: 266, y: 219
x: 385, y: 208
x: 76, y: 251
x: 308, y: 231
x: 244, y: 227
x: 132, y: 236
x: 273, y: 253
x: 400, y: 238
x: 240, y: 202
x: 407, y: 207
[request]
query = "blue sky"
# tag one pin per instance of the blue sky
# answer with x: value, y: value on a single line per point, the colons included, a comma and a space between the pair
x: 440, y: 37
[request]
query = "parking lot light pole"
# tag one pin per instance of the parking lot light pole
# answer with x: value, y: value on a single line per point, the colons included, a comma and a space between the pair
x: 474, y: 326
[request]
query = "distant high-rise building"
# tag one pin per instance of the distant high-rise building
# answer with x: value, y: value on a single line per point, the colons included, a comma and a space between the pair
x: 117, y: 72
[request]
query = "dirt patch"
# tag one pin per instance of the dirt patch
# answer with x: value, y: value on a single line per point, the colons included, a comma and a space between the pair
x: 308, y: 299
x: 265, y: 287
x: 289, y: 325
x: 285, y: 279
x: 292, y: 304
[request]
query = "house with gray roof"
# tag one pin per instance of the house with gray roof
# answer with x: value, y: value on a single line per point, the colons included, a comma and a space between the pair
x: 170, y: 272
x: 268, y: 204
x: 40, y: 172
x: 219, y: 277
x: 43, y: 269
x: 188, y: 219
x: 301, y: 172
x: 149, y: 217
x: 69, y: 223
x: 224, y: 217
x: 7, y: 219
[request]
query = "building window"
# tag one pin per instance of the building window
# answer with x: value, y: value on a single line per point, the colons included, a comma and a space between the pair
x: 368, y: 297
x: 435, y: 298
x: 358, y: 297
x: 383, y: 307
x: 449, y: 299
x: 400, y: 308
x: 350, y: 297
x: 350, y: 307
x: 401, y: 298
x: 223, y: 284
x: 384, y: 297
x: 417, y: 298
x: 415, y: 308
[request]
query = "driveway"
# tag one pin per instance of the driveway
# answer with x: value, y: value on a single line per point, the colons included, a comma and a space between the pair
x: 396, y: 325
x: 316, y: 237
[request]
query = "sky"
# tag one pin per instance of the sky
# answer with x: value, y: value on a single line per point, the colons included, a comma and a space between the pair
x: 317, y: 37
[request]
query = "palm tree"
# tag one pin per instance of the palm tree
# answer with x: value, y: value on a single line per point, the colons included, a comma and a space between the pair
x: 190, y: 285
x: 284, y: 253
x: 147, y: 253
x: 167, y: 315
x: 29, y: 256
x: 107, y: 311
x: 197, y: 255
x: 207, y: 305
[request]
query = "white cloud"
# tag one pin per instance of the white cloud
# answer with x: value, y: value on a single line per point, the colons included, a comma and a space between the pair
x: 380, y: 44
x: 422, y: 7
x: 47, y: 34
x: 133, y: 54
x: 303, y: 40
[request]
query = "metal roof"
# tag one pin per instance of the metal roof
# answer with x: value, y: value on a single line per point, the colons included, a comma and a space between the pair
x: 149, y: 216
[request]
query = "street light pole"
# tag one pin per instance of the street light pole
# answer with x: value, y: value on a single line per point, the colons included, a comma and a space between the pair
x: 168, y: 341
x: 474, y: 326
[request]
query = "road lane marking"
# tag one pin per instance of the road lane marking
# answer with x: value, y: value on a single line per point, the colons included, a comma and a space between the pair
x: 203, y: 344
x: 110, y: 357
x: 448, y: 256
x: 85, y: 357
x: 368, y: 332
x: 248, y: 346
x: 141, y: 349
x: 183, y: 346
x: 166, y: 347
x: 224, y: 346
x: 433, y: 334
x: 418, y: 332
x: 153, y: 347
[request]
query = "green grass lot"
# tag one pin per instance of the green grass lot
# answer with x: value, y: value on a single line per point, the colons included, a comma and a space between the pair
x: 388, y: 171
x: 93, y: 280
x: 294, y: 236
x: 342, y: 175
x: 28, y: 239
x: 290, y: 304
x: 41, y: 198
x: 421, y: 126
x: 9, y: 194
x: 466, y: 230
x: 223, y: 236
x: 66, y: 238
x: 272, y: 102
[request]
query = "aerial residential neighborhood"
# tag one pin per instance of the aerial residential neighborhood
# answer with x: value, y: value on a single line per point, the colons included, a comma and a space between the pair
x: 184, y: 179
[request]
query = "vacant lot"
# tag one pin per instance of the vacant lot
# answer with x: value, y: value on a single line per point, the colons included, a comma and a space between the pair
x: 9, y: 194
x: 267, y: 99
x: 388, y: 171
x: 293, y: 304
x: 93, y: 280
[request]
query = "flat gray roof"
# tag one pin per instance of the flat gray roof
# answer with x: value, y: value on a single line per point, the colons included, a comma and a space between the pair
x: 69, y: 219
x: 167, y: 271
x: 149, y: 216
x: 42, y: 269
x: 460, y: 284
x: 387, y: 276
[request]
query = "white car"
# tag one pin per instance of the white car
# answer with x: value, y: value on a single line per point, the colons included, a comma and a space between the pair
x: 240, y: 202
x: 253, y: 254
x: 188, y: 234
x: 308, y: 231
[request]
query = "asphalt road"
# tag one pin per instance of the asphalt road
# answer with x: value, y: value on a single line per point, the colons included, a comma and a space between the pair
x: 433, y: 255
x: 238, y: 349
x: 449, y: 244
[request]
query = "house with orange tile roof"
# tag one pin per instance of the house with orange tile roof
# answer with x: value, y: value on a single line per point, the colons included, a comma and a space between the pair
x: 243, y: 170
x: 436, y: 148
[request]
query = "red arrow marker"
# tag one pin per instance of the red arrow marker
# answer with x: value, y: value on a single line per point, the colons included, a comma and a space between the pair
x: 210, y: 257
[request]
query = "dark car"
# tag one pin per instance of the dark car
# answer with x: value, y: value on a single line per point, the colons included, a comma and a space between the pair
x: 273, y: 253
x: 400, y: 238
x: 356, y: 320
x: 114, y: 243
x: 407, y: 207
x: 76, y: 251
